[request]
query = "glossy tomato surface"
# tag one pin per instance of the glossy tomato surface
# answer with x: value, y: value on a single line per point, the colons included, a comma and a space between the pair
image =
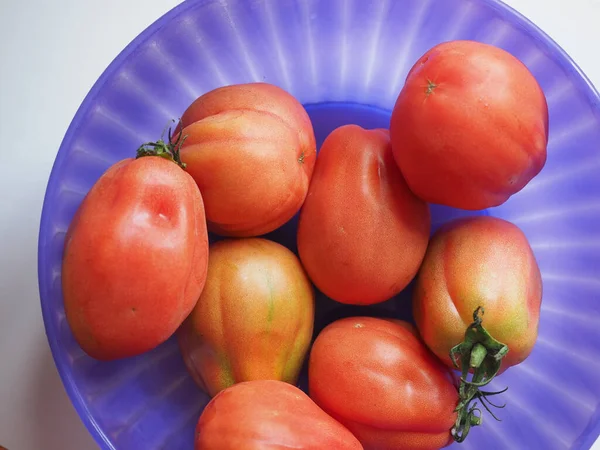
x: 470, y: 126
x: 135, y: 258
x: 254, y: 319
x: 362, y: 234
x: 479, y: 261
x: 379, y: 380
x: 269, y: 415
x: 251, y: 149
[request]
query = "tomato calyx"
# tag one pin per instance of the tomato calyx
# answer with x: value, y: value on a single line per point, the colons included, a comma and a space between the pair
x: 482, y: 354
x: 169, y: 150
x: 430, y: 88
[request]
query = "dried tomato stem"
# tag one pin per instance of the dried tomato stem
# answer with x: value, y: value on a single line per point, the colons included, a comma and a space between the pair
x: 168, y: 150
x: 482, y: 354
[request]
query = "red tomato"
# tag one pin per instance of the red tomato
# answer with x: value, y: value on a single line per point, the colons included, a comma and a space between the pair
x: 470, y: 126
x: 254, y: 319
x: 362, y: 234
x: 251, y: 149
x: 135, y: 258
x: 472, y: 262
x: 269, y: 415
x: 378, y: 379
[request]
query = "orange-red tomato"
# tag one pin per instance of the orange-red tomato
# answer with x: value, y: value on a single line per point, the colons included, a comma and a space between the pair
x: 254, y: 319
x: 269, y: 415
x: 470, y: 126
x: 380, y: 381
x: 362, y: 234
x: 472, y: 262
x: 251, y: 149
x: 135, y: 258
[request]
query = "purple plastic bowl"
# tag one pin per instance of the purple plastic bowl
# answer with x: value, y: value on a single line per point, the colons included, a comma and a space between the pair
x: 346, y: 61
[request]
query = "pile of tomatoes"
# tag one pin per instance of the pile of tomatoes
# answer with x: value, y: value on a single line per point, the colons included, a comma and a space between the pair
x: 469, y: 129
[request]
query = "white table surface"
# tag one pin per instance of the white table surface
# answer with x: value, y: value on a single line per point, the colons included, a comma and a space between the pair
x: 51, y: 52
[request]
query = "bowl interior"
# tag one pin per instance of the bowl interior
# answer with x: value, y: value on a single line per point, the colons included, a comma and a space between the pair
x: 346, y: 61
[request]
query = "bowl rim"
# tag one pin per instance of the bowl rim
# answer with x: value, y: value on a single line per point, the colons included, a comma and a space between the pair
x: 581, y: 81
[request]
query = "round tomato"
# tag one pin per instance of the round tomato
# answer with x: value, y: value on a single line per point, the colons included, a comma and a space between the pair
x: 470, y: 126
x: 251, y: 149
x: 269, y: 415
x: 135, y: 258
x: 362, y: 234
x: 376, y: 378
x: 254, y: 319
x: 479, y: 262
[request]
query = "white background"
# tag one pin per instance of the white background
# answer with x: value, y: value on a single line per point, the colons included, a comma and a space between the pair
x: 51, y: 52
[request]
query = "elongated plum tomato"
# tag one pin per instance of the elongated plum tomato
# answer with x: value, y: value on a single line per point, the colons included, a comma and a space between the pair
x: 362, y: 234
x: 470, y: 126
x: 269, y: 415
x: 251, y: 149
x: 254, y: 319
x: 380, y: 381
x: 135, y: 258
x: 472, y: 262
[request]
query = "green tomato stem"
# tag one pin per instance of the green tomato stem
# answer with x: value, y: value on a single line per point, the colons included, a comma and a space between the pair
x: 478, y: 354
x: 482, y: 354
x: 168, y: 150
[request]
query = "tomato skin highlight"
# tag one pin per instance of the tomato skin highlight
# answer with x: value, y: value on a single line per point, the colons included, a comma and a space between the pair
x: 470, y: 126
x: 135, y: 258
x: 269, y: 415
x: 378, y: 379
x: 362, y: 234
x: 251, y: 149
x: 479, y: 261
x: 254, y: 319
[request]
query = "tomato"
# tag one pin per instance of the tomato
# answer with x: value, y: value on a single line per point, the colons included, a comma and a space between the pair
x: 470, y: 127
x: 378, y: 379
x: 251, y: 149
x: 362, y: 234
x: 472, y: 262
x: 254, y: 319
x: 135, y: 258
x: 269, y: 415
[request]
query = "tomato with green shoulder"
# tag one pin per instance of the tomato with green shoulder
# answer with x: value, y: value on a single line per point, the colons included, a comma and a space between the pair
x: 254, y: 319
